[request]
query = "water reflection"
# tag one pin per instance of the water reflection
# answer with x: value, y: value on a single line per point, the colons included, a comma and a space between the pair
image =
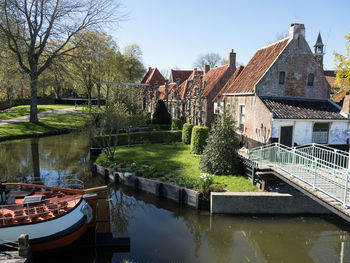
x: 47, y: 160
x: 161, y: 230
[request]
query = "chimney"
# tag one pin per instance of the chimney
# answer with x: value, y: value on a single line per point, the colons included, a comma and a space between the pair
x: 206, y: 69
x: 232, y: 59
x: 296, y: 30
x: 346, y: 105
x: 149, y: 68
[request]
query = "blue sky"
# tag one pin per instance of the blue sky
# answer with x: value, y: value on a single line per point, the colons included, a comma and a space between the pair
x: 174, y: 33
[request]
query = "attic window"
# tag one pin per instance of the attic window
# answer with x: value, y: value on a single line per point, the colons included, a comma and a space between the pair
x: 282, y: 77
x: 310, y: 80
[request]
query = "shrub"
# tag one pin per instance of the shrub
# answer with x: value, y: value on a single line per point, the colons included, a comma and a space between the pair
x: 161, y: 114
x: 140, y: 138
x: 205, y: 181
x: 187, y: 133
x: 198, y: 139
x: 176, y: 123
x: 220, y: 154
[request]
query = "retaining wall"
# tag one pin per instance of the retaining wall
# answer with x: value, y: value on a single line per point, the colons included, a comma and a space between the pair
x: 162, y: 189
x: 264, y: 203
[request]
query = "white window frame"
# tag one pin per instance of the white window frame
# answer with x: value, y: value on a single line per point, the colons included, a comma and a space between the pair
x: 328, y: 132
x: 240, y: 124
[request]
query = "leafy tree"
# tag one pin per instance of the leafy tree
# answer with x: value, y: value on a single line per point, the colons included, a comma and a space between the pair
x: 211, y: 59
x: 342, y: 65
x: 90, y: 60
x: 161, y: 114
x: 133, y: 66
x: 28, y: 27
x: 220, y: 154
x: 12, y: 77
x: 107, y: 125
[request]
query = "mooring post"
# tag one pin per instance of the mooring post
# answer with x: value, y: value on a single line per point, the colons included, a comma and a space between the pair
x: 23, y: 246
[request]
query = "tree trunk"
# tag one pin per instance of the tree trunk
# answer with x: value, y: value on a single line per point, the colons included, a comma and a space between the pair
x: 107, y: 96
x: 99, y: 96
x: 35, y: 159
x: 89, y: 98
x: 33, y: 97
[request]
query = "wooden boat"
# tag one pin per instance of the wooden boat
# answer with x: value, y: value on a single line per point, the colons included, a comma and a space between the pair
x: 54, y: 218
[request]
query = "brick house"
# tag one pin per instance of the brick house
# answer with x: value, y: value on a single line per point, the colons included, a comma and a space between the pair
x: 282, y: 95
x: 199, y: 90
x: 150, y: 94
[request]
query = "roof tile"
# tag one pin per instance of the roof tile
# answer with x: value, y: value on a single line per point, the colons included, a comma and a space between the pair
x: 256, y: 68
x: 287, y: 108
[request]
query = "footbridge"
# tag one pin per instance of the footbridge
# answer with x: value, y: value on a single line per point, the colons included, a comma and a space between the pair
x: 318, y: 171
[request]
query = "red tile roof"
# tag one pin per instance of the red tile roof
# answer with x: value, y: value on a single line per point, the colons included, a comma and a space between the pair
x: 330, y: 77
x: 152, y: 77
x: 182, y: 75
x: 212, y: 77
x: 338, y: 98
x: 184, y: 86
x: 231, y: 80
x: 256, y: 68
x: 161, y: 90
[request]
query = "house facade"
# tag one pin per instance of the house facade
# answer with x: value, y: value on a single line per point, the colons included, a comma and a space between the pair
x: 282, y: 95
x: 150, y: 94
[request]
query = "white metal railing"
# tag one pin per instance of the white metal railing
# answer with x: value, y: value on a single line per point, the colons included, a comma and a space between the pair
x: 321, y: 167
x: 24, y: 213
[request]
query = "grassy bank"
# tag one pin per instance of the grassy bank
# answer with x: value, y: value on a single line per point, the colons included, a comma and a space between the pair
x: 173, y: 163
x: 46, y: 124
x: 24, y: 110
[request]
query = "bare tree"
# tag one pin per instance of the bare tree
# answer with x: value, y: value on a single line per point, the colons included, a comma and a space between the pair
x: 29, y: 25
x: 211, y: 59
x: 279, y: 36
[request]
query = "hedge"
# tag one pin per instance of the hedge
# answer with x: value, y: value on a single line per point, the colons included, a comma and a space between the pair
x: 161, y: 114
x: 187, y: 133
x: 140, y: 138
x: 198, y: 139
x: 176, y: 123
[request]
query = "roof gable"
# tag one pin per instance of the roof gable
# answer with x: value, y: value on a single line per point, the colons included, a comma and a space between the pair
x: 256, y: 68
x: 231, y: 80
x: 212, y: 77
x: 152, y: 77
x: 182, y: 75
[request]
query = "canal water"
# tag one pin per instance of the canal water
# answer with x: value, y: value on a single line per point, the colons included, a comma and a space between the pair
x: 161, y: 230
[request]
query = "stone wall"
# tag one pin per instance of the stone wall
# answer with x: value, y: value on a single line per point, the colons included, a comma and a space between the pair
x: 258, y: 122
x: 264, y: 203
x: 297, y: 61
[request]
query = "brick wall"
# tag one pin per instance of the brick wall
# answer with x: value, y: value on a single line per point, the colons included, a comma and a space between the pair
x: 258, y: 122
x: 297, y: 61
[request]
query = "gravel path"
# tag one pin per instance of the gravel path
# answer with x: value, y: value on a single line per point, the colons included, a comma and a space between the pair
x: 44, y: 113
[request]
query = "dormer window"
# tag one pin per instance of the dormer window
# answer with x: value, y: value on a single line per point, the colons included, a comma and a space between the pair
x: 310, y: 80
x: 281, y: 77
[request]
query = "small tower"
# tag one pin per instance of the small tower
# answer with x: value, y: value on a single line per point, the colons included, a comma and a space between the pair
x: 319, y: 50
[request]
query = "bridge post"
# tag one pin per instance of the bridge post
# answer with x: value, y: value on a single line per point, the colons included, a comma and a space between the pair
x: 315, y: 172
x: 334, y: 161
x: 293, y: 161
x: 261, y: 148
x: 346, y: 188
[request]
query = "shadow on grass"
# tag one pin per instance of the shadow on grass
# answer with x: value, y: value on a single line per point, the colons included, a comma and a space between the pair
x: 175, y: 158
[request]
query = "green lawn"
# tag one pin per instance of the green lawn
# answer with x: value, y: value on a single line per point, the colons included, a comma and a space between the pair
x: 174, y: 161
x: 46, y: 124
x: 24, y: 110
